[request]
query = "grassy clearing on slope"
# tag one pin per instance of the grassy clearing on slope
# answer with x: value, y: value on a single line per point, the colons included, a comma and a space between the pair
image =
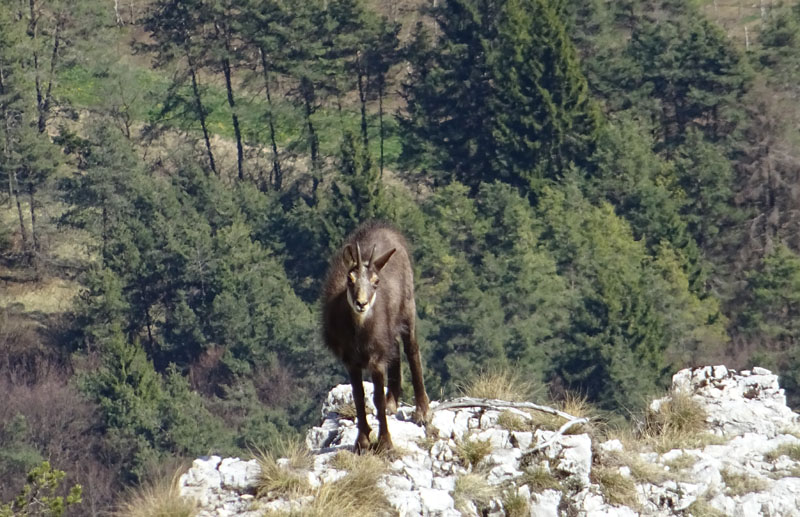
x: 141, y: 91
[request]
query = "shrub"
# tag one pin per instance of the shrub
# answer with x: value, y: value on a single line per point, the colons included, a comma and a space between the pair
x: 40, y: 496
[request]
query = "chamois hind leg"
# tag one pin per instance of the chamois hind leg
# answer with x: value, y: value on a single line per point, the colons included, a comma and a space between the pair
x: 362, y: 441
x: 395, y: 386
x: 411, y: 348
x: 379, y: 381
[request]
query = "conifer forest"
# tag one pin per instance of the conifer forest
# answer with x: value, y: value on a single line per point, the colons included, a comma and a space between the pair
x: 597, y: 193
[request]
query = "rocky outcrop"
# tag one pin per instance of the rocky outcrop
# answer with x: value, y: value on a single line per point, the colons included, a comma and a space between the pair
x: 532, y: 462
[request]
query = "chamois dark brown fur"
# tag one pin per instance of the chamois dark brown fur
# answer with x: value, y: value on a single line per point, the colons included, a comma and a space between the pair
x: 367, y: 308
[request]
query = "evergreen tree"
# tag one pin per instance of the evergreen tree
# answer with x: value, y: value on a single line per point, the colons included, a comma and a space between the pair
x: 770, y: 320
x: 501, y: 97
x: 127, y: 390
x: 645, y: 190
x: 688, y: 74
x: 449, y: 92
x: 616, y: 348
x: 544, y: 120
x: 355, y: 193
x: 705, y: 177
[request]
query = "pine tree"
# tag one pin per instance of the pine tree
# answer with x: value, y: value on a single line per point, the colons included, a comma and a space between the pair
x: 500, y: 96
x: 544, y: 119
x: 448, y: 93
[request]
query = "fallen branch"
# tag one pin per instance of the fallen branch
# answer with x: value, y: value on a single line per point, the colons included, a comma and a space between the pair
x: 561, y: 430
x: 465, y: 402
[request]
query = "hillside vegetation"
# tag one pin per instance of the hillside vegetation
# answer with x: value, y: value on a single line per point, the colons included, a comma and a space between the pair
x: 597, y: 194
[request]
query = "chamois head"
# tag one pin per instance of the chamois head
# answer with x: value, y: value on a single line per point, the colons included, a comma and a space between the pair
x: 363, y: 278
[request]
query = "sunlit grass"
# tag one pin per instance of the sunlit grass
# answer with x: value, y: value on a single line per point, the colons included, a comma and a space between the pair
x: 473, y: 451
x: 474, y: 488
x: 357, y: 493
x: 501, y: 383
x: 49, y: 296
x: 159, y: 499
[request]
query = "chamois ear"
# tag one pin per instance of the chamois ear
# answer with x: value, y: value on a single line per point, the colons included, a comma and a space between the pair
x: 383, y: 259
x: 348, y: 256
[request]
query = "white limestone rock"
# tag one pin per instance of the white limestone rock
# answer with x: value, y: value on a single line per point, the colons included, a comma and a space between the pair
x: 747, y: 409
x: 238, y: 475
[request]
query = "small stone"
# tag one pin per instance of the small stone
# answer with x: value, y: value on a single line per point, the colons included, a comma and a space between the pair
x: 521, y: 439
x: 435, y: 500
x: 421, y: 478
x: 447, y: 483
x: 611, y: 446
x: 444, y: 422
x: 545, y: 504
x: 489, y: 419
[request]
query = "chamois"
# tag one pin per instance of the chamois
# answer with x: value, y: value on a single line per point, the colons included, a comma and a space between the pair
x: 367, y: 304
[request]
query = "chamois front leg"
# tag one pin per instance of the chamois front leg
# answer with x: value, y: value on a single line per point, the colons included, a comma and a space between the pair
x: 411, y: 348
x: 379, y: 381
x: 362, y: 441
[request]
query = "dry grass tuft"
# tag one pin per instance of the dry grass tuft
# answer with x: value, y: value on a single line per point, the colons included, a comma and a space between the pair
x: 792, y: 450
x: 680, y: 414
x: 680, y: 423
x: 511, y: 421
x: 641, y: 470
x: 682, y: 462
x: 285, y: 477
x: 473, y: 488
x: 356, y: 493
x: 540, y: 479
x: 617, y: 489
x: 701, y: 507
x: 500, y: 383
x: 347, y: 411
x: 738, y: 483
x: 514, y: 505
x: 472, y: 451
x: 158, y: 499
x: 579, y: 406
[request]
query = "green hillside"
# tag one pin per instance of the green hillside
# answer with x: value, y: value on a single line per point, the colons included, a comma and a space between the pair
x: 597, y: 194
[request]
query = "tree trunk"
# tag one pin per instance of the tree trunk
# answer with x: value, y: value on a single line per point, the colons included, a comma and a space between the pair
x: 307, y: 91
x: 104, y: 236
x: 226, y: 70
x: 201, y: 114
x: 381, y: 132
x: 117, y: 14
x: 362, y: 96
x: 277, y: 174
x: 15, y: 187
x: 34, y: 234
x: 46, y: 97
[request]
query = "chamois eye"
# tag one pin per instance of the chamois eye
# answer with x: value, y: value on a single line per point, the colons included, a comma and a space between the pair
x: 375, y: 279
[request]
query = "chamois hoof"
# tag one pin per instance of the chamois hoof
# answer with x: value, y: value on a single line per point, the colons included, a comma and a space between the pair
x: 421, y: 416
x: 384, y: 444
x: 362, y: 444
